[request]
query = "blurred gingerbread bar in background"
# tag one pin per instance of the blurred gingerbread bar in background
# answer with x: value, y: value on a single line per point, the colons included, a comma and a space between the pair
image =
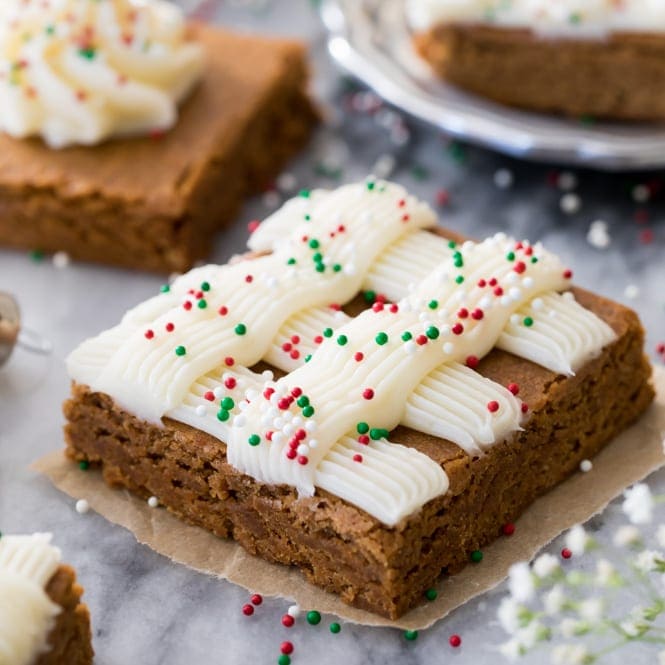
x: 42, y: 618
x: 602, y: 59
x: 96, y: 158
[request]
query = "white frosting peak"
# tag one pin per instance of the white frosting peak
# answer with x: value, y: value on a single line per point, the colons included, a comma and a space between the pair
x: 557, y: 17
x: 27, y: 614
x: 80, y: 72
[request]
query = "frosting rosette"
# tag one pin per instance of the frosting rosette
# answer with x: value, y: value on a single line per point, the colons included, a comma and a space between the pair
x: 82, y: 71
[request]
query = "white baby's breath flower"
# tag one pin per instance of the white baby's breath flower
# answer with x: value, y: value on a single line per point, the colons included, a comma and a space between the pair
x: 533, y: 633
x: 577, y: 540
x: 627, y: 535
x: 520, y: 582
x: 545, y: 565
x: 606, y: 574
x: 554, y: 600
x: 649, y: 560
x: 512, y: 649
x: 633, y: 627
x: 660, y: 535
x: 509, y: 615
x: 570, y: 654
x: 571, y: 627
x: 591, y: 610
x: 638, y: 504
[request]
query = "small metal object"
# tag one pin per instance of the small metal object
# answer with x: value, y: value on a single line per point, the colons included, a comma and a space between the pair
x: 11, y: 334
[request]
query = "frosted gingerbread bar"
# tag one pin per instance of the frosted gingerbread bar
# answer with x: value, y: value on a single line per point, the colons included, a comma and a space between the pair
x: 370, y: 398
x: 577, y: 57
x: 42, y: 618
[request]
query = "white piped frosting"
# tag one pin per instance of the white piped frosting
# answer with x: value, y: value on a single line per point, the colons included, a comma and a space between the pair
x: 549, y: 17
x: 80, y: 72
x: 186, y: 353
x: 27, y: 614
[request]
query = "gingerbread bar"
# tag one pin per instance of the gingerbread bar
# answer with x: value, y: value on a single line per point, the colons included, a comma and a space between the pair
x: 112, y: 174
x: 605, y: 62
x: 43, y: 620
x: 409, y: 423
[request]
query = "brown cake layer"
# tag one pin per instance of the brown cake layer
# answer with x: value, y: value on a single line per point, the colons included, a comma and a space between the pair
x: 621, y: 76
x: 154, y: 203
x: 340, y: 547
x: 70, y: 638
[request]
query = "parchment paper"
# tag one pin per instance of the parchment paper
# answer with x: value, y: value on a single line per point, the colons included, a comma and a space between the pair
x: 629, y: 458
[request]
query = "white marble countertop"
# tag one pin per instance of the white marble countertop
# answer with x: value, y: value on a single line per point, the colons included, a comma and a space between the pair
x: 149, y: 611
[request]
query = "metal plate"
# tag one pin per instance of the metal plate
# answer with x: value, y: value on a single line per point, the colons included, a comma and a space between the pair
x: 372, y: 41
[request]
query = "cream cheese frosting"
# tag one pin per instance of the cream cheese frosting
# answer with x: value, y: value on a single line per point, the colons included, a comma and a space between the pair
x: 186, y: 353
x: 556, y: 17
x: 80, y: 72
x: 27, y: 614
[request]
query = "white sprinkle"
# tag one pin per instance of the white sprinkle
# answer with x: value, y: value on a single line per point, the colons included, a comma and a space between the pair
x: 384, y: 165
x: 515, y: 293
x: 218, y: 392
x: 296, y: 421
x: 586, y: 465
x: 293, y: 611
x: 567, y: 181
x: 512, y: 278
x: 570, y: 203
x: 641, y: 194
x: 287, y: 182
x: 597, y: 235
x: 448, y: 348
x: 631, y: 292
x: 537, y: 304
x: 267, y: 375
x: 82, y: 506
x: 239, y: 421
x: 201, y: 410
x: 527, y: 282
x: 243, y: 405
x: 503, y: 178
x: 313, y: 443
x: 61, y: 260
x: 302, y: 449
x: 410, y: 347
x: 153, y: 502
x: 515, y: 319
x: 310, y: 425
x: 277, y: 438
x: 506, y: 301
x: 288, y: 429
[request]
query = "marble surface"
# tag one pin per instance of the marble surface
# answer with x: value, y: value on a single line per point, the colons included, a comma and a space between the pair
x: 149, y: 611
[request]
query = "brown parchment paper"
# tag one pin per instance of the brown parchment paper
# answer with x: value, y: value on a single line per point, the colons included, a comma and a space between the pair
x: 629, y: 458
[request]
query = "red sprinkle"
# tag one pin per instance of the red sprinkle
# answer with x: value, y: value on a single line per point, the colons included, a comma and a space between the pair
x: 187, y: 305
x: 493, y: 281
x: 286, y: 647
x: 364, y: 439
x: 288, y: 620
x: 268, y: 393
x: 455, y: 641
x: 357, y: 458
x: 394, y: 308
x: 295, y: 354
x: 318, y: 339
x: 223, y: 310
x: 458, y: 329
x: 295, y: 339
x: 421, y: 339
x: 249, y: 279
x: 519, y: 267
x: 253, y: 225
x: 442, y: 197
x: 210, y: 396
x: 477, y: 314
x: 287, y: 346
x: 508, y: 529
x: 303, y: 459
x: 566, y: 553
x: 463, y: 313
x: 170, y: 327
x: 256, y: 599
x: 472, y: 362
x: 359, y: 356
x: 368, y: 393
x: 482, y: 283
x: 149, y: 334
x: 493, y: 406
x: 525, y: 407
x: 291, y: 453
x: 229, y: 361
x: 247, y: 610
x: 514, y: 388
x: 377, y: 307
x: 498, y: 291
x: 296, y: 392
x: 568, y: 274
x: 230, y: 383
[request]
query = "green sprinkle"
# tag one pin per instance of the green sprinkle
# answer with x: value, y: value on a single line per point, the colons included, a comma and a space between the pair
x: 527, y: 321
x: 431, y: 594
x: 180, y: 350
x: 328, y: 332
x: 87, y: 53
x: 202, y: 304
x: 308, y: 357
x: 228, y: 403
x: 337, y: 267
x: 320, y: 267
x: 223, y: 415
x: 459, y: 279
x: 377, y: 433
x: 313, y: 618
x: 432, y: 332
x: 362, y: 428
x: 534, y: 259
x: 284, y: 659
x: 84, y: 465
x: 303, y: 401
x: 370, y: 185
x: 452, y: 244
x: 410, y: 635
x: 406, y: 336
x: 458, y: 263
x: 254, y: 440
x: 342, y: 340
x: 50, y: 30
x: 308, y: 218
x: 369, y: 296
x: 510, y: 256
x: 240, y: 329
x: 476, y: 556
x: 314, y: 244
x: 164, y: 288
x: 335, y: 628
x: 433, y: 304
x: 381, y: 338
x: 308, y: 411
x: 37, y: 255
x: 205, y: 286
x: 291, y: 262
x: 304, y: 193
x: 317, y: 258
